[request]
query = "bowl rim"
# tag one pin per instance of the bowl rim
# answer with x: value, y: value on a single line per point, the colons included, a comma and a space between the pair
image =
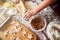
x: 35, y: 17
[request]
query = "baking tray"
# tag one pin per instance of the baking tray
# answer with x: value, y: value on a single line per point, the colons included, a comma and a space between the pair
x: 4, y: 21
x: 7, y: 27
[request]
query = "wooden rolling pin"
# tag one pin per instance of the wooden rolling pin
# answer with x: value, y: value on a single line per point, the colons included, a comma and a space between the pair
x: 1, y: 2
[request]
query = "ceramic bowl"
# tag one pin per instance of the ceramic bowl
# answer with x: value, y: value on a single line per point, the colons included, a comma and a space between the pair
x: 45, y: 23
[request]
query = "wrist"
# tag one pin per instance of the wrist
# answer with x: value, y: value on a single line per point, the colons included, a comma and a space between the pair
x: 36, y: 10
x: 33, y: 12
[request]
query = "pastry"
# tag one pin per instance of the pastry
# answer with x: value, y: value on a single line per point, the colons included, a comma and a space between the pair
x: 24, y: 33
x: 7, y: 4
x: 30, y: 36
x: 12, y: 38
x: 18, y: 38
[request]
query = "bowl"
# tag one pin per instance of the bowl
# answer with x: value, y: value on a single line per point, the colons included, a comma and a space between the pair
x: 53, y: 29
x: 37, y: 23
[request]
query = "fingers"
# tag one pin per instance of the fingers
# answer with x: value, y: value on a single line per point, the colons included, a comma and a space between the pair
x: 27, y: 15
x: 24, y: 15
x: 27, y: 19
x: 15, y: 1
x: 25, y: 10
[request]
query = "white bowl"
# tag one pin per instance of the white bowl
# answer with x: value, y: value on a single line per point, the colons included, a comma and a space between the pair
x: 35, y: 17
x: 50, y: 31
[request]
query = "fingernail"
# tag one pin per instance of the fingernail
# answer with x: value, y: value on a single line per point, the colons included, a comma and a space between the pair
x: 27, y: 19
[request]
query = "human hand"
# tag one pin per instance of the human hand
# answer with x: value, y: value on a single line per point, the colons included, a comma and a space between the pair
x: 15, y: 1
x: 28, y: 14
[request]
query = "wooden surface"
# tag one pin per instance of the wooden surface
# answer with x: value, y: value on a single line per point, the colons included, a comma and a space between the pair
x: 7, y: 26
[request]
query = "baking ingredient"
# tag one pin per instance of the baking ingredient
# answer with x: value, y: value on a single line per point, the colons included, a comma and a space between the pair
x: 18, y: 38
x: 30, y: 36
x: 54, y: 30
x: 12, y: 38
x: 24, y: 33
x: 12, y: 11
x: 37, y: 23
x: 6, y: 33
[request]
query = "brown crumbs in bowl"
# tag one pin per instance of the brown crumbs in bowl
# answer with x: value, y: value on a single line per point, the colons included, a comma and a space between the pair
x: 37, y: 23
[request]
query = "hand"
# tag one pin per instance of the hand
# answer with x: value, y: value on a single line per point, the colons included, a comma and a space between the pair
x: 15, y: 1
x: 28, y: 14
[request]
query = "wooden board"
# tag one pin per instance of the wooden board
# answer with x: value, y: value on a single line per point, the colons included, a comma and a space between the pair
x: 8, y: 26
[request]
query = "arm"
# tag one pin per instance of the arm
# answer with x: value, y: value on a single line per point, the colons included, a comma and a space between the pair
x: 41, y: 6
